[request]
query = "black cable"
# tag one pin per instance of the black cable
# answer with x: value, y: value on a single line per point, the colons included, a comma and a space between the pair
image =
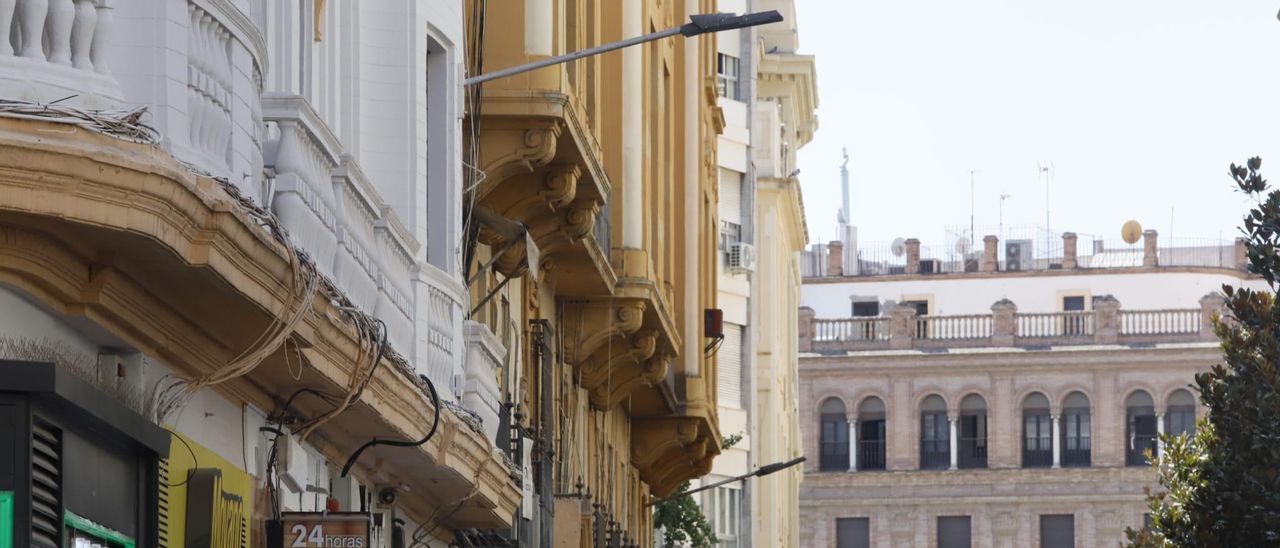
x: 435, y: 423
x: 322, y: 395
x: 195, y: 463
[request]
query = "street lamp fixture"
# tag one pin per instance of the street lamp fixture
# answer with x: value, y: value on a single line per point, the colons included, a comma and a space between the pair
x: 761, y: 471
x: 698, y: 24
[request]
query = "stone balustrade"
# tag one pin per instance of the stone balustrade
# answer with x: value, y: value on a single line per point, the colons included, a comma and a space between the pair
x: 1107, y: 323
x: 54, y: 50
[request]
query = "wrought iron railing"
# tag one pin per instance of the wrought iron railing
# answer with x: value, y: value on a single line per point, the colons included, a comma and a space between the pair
x: 973, y: 452
x: 871, y: 455
x: 1140, y: 445
x: 935, y: 454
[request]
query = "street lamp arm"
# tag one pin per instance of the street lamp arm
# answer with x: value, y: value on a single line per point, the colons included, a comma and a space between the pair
x: 698, y: 24
x: 761, y: 471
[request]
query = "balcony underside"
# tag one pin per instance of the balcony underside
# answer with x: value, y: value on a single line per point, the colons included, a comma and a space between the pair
x: 124, y: 236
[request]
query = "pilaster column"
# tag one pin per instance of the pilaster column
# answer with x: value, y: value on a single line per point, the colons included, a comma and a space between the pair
x: 1159, y: 434
x: 1057, y: 442
x: 955, y: 440
x: 853, y: 443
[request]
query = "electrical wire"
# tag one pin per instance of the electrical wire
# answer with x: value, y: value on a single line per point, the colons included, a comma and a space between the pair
x: 435, y: 423
x: 195, y: 462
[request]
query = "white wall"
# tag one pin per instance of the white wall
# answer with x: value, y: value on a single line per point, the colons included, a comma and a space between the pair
x: 1143, y: 290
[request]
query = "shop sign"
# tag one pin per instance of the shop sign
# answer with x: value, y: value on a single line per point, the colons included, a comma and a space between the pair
x: 326, y: 529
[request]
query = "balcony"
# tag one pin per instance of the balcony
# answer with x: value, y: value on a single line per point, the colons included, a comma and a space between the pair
x: 1107, y: 323
x: 57, y: 50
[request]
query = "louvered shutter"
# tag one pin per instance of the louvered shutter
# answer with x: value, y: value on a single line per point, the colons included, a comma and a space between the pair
x: 46, y: 485
x: 730, y: 196
x: 729, y: 367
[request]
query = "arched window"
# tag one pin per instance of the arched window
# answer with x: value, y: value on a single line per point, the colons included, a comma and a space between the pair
x: 835, y: 436
x: 871, y: 440
x: 973, y: 432
x: 935, y: 434
x: 1141, y: 428
x: 1077, y: 431
x: 1037, y: 432
x: 1180, y: 417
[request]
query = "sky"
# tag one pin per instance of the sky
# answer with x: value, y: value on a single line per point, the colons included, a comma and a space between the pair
x: 1140, y: 106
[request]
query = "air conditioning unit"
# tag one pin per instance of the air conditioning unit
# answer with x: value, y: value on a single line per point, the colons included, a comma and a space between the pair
x: 930, y: 266
x: 1017, y: 255
x: 292, y: 463
x: 742, y: 258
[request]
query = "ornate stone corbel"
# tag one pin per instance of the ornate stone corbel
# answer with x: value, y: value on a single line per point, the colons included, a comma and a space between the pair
x: 560, y: 186
x: 536, y: 147
x: 579, y: 221
x: 619, y: 366
x: 626, y: 379
x: 653, y: 439
x: 588, y: 324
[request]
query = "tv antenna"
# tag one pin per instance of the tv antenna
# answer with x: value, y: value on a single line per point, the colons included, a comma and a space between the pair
x: 1047, y: 170
x: 1003, y: 197
x: 972, y: 226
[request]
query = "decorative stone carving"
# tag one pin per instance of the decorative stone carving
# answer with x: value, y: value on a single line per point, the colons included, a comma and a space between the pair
x: 592, y: 322
x: 560, y: 186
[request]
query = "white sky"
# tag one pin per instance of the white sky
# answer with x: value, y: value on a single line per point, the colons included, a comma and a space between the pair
x: 1140, y: 104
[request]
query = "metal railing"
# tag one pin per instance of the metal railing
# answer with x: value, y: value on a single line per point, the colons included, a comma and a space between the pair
x: 1140, y: 445
x: 973, y: 452
x: 935, y: 454
x: 871, y: 455
x: 1160, y: 322
x: 1077, y: 451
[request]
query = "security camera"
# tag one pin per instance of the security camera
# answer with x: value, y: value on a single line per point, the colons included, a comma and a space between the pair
x: 387, y: 496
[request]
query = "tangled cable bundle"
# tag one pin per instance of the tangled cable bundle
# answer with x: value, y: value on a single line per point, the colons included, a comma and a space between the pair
x: 121, y: 124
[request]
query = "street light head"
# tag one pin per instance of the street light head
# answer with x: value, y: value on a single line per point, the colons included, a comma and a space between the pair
x: 771, y: 468
x: 716, y: 22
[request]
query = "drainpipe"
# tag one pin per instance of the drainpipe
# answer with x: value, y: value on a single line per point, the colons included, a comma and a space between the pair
x: 632, y: 127
x: 692, y: 200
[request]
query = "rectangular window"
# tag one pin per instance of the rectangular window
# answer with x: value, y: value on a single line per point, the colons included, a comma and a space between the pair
x: 954, y: 532
x: 1037, y: 434
x: 722, y: 506
x: 1057, y: 531
x: 1077, y: 444
x: 935, y: 441
x: 853, y: 533
x: 727, y: 76
x: 866, y: 308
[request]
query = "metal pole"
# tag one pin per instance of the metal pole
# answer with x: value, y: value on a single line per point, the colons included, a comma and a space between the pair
x: 511, y: 71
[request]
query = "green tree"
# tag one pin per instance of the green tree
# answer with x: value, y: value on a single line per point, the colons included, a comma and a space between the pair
x: 1222, y: 484
x: 682, y: 520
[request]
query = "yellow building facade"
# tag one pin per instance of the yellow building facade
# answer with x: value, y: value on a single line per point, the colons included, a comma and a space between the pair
x: 595, y: 199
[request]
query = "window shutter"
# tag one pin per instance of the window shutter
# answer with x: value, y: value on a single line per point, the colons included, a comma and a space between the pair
x: 729, y: 367
x: 46, y: 485
x: 730, y: 196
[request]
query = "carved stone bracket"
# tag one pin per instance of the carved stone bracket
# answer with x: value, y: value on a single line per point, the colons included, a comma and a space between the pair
x: 616, y: 369
x: 626, y: 380
x: 590, y: 323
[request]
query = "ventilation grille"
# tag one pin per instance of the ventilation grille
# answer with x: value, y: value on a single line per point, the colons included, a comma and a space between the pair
x: 162, y: 515
x: 46, y: 485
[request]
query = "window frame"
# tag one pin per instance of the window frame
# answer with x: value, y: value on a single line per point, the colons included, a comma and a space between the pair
x: 725, y: 82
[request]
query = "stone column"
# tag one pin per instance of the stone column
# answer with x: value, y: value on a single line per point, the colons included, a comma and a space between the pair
x: 1068, y: 250
x: 805, y: 329
x: 990, y: 253
x: 902, y: 326
x: 1057, y: 442
x: 913, y: 256
x: 835, y: 258
x: 1241, y: 255
x: 1159, y: 434
x: 955, y: 440
x: 1149, y: 256
x: 853, y: 443
x: 1106, y: 318
x: 1211, y: 305
x: 1004, y: 323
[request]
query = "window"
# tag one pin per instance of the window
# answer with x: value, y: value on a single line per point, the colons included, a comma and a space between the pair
x: 1141, y: 428
x: 853, y: 533
x: 922, y: 310
x: 1037, y: 432
x: 867, y: 308
x: 1077, y: 429
x: 973, y: 432
x: 1181, y: 415
x: 727, y: 76
x: 729, y: 367
x: 722, y: 507
x: 1074, y: 324
x: 871, y: 439
x: 1057, y: 531
x: 835, y: 436
x: 954, y: 532
x: 730, y: 209
x: 935, y: 434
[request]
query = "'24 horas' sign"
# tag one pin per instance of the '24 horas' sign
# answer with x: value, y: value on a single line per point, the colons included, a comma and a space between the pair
x: 326, y: 530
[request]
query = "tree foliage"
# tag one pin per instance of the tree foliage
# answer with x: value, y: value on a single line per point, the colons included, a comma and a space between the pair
x: 1222, y: 484
x: 682, y: 520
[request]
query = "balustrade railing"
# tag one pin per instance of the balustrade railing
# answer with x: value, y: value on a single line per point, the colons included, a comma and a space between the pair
x: 973, y: 452
x: 961, y: 327
x: 1055, y: 324
x: 444, y: 318
x: 1160, y: 322
x: 875, y: 328
x: 57, y: 46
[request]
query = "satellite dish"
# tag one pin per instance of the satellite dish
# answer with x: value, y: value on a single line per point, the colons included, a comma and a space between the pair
x: 898, y: 247
x: 963, y: 245
x: 1131, y: 232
